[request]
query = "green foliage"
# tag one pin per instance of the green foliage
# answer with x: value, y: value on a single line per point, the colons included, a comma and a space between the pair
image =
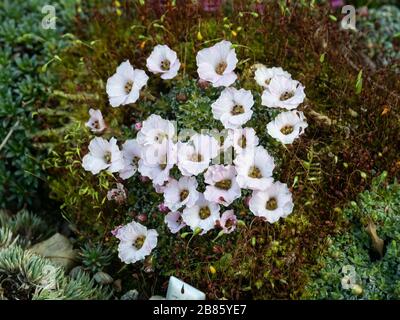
x: 24, y: 47
x: 28, y: 227
x: 359, y: 82
x: 190, y: 106
x: 25, y: 275
x: 380, y: 31
x: 378, y: 277
x: 81, y: 287
x: 6, y: 236
x: 95, y: 257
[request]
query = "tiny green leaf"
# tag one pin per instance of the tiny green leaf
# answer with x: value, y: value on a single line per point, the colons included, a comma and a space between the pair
x: 241, y: 223
x: 332, y: 17
x: 197, y: 231
x: 322, y: 58
x: 359, y: 82
x: 184, y: 235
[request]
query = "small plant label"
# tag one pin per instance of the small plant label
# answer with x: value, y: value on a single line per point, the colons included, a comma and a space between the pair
x: 179, y: 290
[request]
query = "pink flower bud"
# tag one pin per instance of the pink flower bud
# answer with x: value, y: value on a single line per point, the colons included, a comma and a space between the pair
x: 337, y: 3
x: 246, y: 201
x: 144, y: 179
x: 138, y: 126
x: 163, y: 208
x: 142, y: 217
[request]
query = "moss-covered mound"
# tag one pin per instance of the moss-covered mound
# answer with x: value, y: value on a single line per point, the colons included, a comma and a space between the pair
x: 370, y: 247
x: 26, y: 47
x: 353, y: 115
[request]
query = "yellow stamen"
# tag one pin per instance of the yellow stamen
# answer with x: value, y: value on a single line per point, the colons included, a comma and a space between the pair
x: 204, y: 213
x: 224, y: 184
x: 271, y: 204
x: 255, y: 172
x: 221, y: 67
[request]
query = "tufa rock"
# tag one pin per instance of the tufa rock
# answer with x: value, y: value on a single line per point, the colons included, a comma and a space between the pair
x: 57, y: 249
x: 103, y: 278
x: 130, y: 295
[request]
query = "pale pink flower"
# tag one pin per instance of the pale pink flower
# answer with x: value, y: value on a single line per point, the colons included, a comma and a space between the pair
x: 217, y: 64
x: 228, y: 221
x: 222, y: 186
x: 116, y: 229
x: 117, y: 194
x: 174, y: 221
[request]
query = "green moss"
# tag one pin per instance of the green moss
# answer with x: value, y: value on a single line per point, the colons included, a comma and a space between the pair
x: 381, y: 32
x: 25, y: 46
x: 377, y: 276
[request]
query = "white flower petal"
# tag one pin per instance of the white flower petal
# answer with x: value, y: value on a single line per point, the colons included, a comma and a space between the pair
x: 96, y: 122
x: 290, y: 120
x: 174, y: 221
x: 274, y: 95
x: 118, y: 85
x: 158, y: 56
x: 264, y: 75
x: 224, y: 108
x: 222, y: 186
x: 191, y: 216
x: 278, y: 192
x: 208, y: 62
x: 93, y: 164
x: 254, y: 169
x: 99, y: 150
x: 127, y: 251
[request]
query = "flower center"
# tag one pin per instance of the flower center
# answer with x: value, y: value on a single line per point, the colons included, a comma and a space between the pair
x: 184, y: 194
x: 242, y: 142
x: 271, y: 204
x: 286, y: 95
x: 135, y: 160
x: 237, y: 110
x: 128, y: 86
x: 267, y: 81
x: 254, y: 172
x: 204, y: 213
x: 221, y: 67
x: 224, y: 184
x: 165, y: 64
x: 159, y: 137
x: 197, y: 157
x: 139, y: 242
x: 287, y: 130
x: 229, y: 224
x: 107, y: 157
